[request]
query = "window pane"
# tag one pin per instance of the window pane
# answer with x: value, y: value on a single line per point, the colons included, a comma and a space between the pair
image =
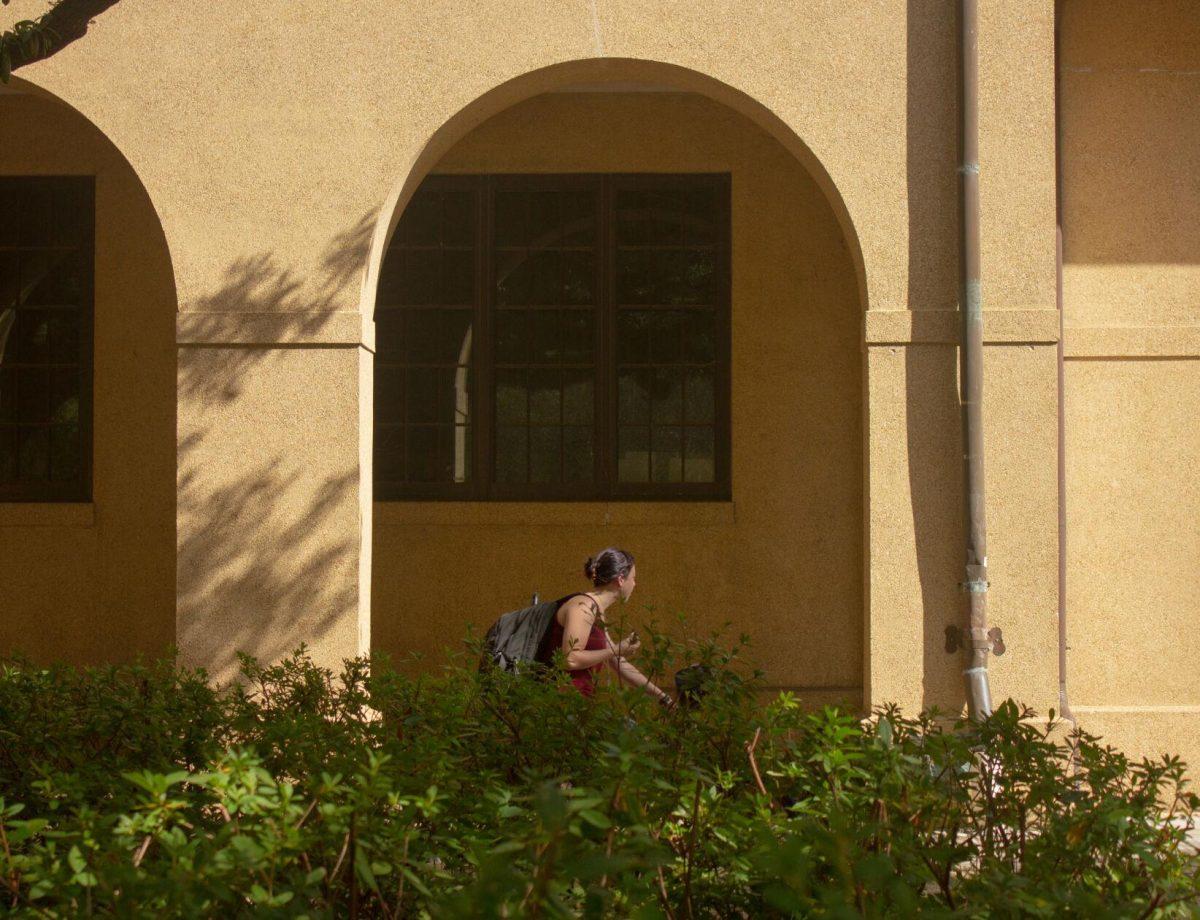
x: 458, y: 218
x: 45, y: 315
x: 547, y: 278
x: 389, y: 453
x: 421, y: 281
x: 578, y: 217
x: 458, y: 278
x: 578, y: 336
x: 10, y: 276
x: 8, y: 394
x: 64, y: 336
x: 33, y: 394
x: 64, y: 453
x: 666, y: 336
x: 545, y: 454
x: 667, y: 464
x: 511, y: 454
x: 700, y: 219
x: 633, y: 454
x: 633, y: 396
x: 665, y: 276
x: 514, y: 279
x: 650, y: 336
x: 510, y: 210
x: 32, y: 336
x: 512, y: 339
x: 420, y: 223
x: 51, y: 279
x: 389, y: 392
x: 578, y: 275
x: 699, y: 405
x: 545, y: 222
x: 699, y: 453
x: 11, y: 202
x: 578, y: 397
x: 438, y: 336
x: 667, y: 397
x: 701, y: 333
x: 633, y: 336
x: 422, y: 391
x: 34, y: 453
x: 647, y: 217
x: 422, y: 454
x: 544, y: 336
x: 511, y: 398
x: 578, y: 460
x: 545, y: 397
x: 64, y: 395
x: 8, y: 454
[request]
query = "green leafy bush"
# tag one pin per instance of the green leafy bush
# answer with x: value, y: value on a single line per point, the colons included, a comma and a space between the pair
x: 138, y: 791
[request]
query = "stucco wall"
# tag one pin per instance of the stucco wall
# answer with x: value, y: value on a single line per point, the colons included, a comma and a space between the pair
x: 274, y: 139
x: 1130, y: 186
x: 95, y: 582
x: 783, y: 560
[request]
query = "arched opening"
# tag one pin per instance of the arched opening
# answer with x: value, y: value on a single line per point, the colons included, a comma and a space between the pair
x: 87, y: 390
x: 778, y: 555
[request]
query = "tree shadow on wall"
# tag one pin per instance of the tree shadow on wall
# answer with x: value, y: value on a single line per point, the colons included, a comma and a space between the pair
x: 268, y: 538
x: 301, y: 305
x: 266, y: 559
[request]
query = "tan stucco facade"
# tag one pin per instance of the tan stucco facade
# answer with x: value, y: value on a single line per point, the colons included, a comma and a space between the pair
x: 252, y: 160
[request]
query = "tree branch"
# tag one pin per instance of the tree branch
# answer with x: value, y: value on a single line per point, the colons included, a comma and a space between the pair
x: 34, y: 40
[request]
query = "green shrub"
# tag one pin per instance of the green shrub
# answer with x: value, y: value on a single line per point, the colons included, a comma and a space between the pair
x: 138, y: 791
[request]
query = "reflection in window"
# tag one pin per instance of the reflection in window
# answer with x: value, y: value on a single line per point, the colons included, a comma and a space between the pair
x: 45, y: 338
x: 603, y: 369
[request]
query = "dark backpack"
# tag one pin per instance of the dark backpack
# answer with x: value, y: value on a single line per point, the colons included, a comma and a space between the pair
x: 513, y: 641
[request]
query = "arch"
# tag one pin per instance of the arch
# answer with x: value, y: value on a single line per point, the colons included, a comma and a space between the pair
x: 704, y: 94
x: 112, y: 559
x: 618, y: 74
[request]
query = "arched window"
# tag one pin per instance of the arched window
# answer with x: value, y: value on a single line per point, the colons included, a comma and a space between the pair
x: 556, y: 337
x: 46, y: 256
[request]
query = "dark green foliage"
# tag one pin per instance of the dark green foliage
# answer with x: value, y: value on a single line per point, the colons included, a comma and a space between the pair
x: 141, y: 791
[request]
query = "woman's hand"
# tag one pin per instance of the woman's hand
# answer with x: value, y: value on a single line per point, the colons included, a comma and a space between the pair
x: 628, y: 646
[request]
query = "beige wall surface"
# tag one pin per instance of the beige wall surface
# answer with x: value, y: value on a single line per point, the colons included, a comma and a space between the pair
x: 95, y: 582
x: 1130, y: 185
x: 783, y: 561
x: 278, y: 141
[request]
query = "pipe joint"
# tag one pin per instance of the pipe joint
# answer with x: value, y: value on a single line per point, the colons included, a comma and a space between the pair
x: 986, y: 641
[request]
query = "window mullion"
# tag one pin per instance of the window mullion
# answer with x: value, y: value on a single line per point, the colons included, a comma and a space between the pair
x: 484, y: 439
x: 606, y: 398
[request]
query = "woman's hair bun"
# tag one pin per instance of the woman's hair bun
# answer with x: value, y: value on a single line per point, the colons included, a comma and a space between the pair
x: 607, y: 565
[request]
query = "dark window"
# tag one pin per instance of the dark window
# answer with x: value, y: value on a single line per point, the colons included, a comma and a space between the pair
x: 46, y: 255
x: 556, y: 337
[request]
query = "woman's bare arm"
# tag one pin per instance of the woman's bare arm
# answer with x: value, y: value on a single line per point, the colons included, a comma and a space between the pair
x: 579, y: 615
x: 628, y: 673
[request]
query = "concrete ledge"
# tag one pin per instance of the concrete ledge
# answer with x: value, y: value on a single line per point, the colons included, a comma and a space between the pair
x: 274, y: 329
x: 553, y: 514
x: 1132, y: 342
x: 47, y: 514
x: 943, y: 327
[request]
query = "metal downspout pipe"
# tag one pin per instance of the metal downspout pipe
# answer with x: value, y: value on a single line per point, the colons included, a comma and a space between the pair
x: 977, y: 644
x: 1064, y: 705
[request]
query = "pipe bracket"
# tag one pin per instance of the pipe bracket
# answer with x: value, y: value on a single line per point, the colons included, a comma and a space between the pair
x: 958, y: 638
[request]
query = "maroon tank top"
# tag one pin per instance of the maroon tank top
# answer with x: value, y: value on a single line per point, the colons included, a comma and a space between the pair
x: 584, y: 679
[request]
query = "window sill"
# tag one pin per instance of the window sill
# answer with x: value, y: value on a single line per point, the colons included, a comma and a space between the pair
x: 554, y: 514
x: 47, y: 514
